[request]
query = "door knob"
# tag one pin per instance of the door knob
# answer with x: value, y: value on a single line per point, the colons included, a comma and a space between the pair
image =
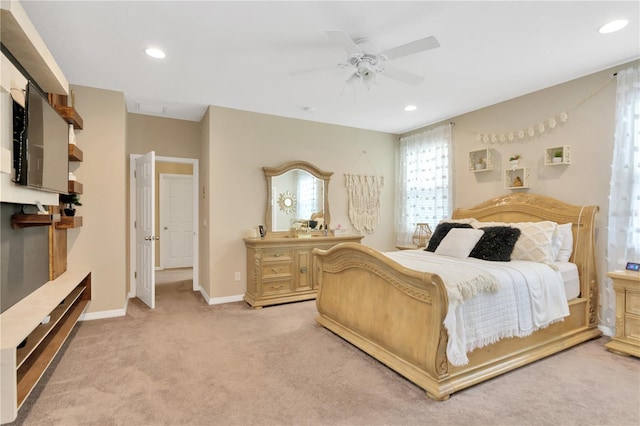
x: 303, y: 269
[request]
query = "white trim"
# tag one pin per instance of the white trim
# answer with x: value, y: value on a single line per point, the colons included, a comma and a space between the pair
x: 132, y: 215
x: 105, y: 314
x: 220, y: 300
x: 606, y: 330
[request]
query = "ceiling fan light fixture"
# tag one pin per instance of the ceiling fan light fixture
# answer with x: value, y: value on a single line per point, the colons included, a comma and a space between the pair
x: 613, y: 26
x: 155, y: 53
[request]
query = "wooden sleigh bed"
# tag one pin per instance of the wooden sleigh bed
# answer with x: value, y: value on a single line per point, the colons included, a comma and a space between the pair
x: 396, y: 314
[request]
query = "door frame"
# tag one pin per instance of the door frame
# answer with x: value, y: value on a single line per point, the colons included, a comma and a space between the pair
x: 132, y: 217
x: 162, y: 187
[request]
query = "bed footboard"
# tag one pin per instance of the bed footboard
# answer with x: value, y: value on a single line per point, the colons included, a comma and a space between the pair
x: 393, y: 313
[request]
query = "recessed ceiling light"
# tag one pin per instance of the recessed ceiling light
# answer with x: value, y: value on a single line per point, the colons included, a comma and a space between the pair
x: 155, y: 53
x: 410, y: 108
x: 613, y: 26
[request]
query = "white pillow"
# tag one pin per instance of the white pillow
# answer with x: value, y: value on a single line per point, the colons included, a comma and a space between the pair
x: 566, y: 246
x: 556, y: 243
x: 535, y: 241
x: 459, y: 242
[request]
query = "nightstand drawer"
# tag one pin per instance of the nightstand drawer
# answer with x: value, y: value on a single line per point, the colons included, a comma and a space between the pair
x: 276, y: 269
x: 633, y: 302
x: 632, y: 327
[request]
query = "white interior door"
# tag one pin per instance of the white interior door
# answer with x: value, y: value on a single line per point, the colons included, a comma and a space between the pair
x: 145, y: 226
x: 176, y: 220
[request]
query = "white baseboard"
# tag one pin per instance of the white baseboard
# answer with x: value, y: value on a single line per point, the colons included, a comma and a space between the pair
x: 606, y: 330
x: 220, y: 300
x: 105, y: 314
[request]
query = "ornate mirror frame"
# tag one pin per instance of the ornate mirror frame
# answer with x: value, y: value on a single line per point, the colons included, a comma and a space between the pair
x: 270, y: 172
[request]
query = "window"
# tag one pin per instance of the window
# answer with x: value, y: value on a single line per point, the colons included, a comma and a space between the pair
x: 424, y: 181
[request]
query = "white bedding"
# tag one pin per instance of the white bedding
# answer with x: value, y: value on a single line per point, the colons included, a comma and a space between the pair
x: 570, y: 278
x: 530, y: 296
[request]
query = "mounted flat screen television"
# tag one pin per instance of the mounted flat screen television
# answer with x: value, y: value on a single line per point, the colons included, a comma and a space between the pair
x: 40, y: 144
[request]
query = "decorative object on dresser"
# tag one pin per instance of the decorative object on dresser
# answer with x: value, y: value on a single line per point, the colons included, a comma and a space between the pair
x: 402, y: 313
x: 626, y: 341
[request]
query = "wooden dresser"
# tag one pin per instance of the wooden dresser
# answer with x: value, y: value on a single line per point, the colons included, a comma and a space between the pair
x: 280, y: 269
x: 627, y: 287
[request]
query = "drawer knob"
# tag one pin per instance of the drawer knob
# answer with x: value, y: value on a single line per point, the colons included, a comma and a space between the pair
x: 277, y: 255
x: 303, y: 269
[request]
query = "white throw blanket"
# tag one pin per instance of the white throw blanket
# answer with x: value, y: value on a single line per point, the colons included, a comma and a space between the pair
x: 513, y: 299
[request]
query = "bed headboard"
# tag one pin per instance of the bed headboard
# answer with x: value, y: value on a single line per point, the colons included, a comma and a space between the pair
x: 523, y: 207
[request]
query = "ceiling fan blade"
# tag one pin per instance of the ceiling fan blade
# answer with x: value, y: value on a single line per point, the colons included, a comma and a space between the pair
x: 345, y: 41
x: 403, y: 76
x: 411, y: 48
x: 314, y: 69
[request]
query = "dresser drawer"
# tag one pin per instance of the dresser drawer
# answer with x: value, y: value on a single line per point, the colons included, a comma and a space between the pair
x: 276, y: 269
x: 276, y: 287
x: 633, y: 302
x: 277, y: 254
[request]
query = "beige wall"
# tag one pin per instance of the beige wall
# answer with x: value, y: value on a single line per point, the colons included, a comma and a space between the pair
x: 234, y: 145
x: 204, y: 276
x: 241, y: 143
x: 589, y: 131
x: 100, y: 243
x: 168, y: 137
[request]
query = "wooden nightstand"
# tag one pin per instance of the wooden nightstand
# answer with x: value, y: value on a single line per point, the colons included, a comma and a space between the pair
x: 627, y: 339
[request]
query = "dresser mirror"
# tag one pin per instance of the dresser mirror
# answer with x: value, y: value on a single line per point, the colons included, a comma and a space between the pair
x: 297, y: 196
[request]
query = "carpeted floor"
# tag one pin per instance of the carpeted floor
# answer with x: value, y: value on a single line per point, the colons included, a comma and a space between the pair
x: 188, y: 363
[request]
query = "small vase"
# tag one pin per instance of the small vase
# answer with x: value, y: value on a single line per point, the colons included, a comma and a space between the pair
x: 69, y: 212
x: 514, y: 164
x: 556, y: 160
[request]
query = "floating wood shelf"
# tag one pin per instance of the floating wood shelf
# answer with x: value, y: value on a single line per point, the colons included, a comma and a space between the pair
x: 75, y: 153
x: 28, y: 220
x: 70, y: 115
x: 75, y: 187
x: 68, y: 222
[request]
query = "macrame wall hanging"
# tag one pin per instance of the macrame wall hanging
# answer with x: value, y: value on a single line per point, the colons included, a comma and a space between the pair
x: 364, y: 198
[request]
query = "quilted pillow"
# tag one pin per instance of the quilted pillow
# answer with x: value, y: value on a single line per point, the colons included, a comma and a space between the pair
x: 441, y: 231
x: 459, y: 242
x: 496, y: 244
x: 535, y: 242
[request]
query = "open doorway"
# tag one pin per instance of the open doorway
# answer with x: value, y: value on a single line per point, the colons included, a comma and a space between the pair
x: 181, y: 175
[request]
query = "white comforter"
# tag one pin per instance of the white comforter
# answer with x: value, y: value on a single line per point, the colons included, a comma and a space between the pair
x: 514, y: 298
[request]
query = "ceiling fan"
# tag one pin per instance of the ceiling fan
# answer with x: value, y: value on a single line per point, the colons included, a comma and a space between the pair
x: 366, y: 61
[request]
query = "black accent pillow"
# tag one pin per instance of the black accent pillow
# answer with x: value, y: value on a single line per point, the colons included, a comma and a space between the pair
x: 441, y: 231
x: 496, y: 243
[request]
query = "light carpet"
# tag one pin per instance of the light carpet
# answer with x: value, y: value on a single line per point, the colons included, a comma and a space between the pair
x: 187, y: 363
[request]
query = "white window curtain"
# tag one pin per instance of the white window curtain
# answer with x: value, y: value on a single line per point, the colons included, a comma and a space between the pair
x: 424, y: 181
x: 623, y: 243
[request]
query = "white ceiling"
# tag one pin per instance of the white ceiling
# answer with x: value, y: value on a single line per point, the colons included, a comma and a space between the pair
x: 240, y: 54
